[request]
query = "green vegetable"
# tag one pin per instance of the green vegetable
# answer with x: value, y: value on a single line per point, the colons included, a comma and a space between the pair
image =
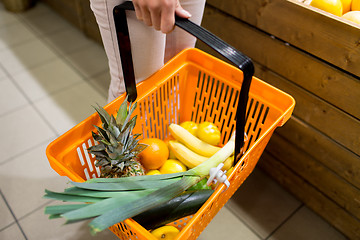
x: 112, y: 200
x: 181, y: 206
x: 200, y: 185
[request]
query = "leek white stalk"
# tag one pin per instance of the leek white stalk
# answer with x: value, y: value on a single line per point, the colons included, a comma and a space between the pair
x: 113, y: 200
x: 220, y: 156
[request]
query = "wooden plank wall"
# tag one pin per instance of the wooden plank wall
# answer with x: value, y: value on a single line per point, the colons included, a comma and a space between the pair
x: 314, y: 57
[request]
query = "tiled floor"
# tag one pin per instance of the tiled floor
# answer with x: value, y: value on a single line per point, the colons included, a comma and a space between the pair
x: 50, y: 75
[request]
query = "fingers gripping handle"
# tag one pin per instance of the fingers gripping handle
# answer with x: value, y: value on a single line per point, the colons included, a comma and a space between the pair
x: 240, y: 60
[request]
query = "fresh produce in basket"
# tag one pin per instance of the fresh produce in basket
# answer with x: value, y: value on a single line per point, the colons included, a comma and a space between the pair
x: 191, y: 141
x: 118, y: 148
x: 171, y: 154
x: 191, y: 126
x: 185, y: 155
x: 209, y: 132
x: 153, y: 172
x: 165, y: 233
x: 229, y: 163
x: 112, y: 200
x: 202, y: 185
x: 172, y: 166
x: 190, y: 155
x: 155, y: 155
x: 192, y: 159
x: 181, y: 206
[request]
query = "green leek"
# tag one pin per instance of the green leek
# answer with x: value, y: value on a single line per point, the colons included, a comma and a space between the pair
x: 112, y: 200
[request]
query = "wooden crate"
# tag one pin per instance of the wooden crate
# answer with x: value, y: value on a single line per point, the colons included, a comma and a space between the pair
x: 315, y: 57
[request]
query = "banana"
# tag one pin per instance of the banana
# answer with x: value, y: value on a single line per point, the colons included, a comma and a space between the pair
x: 195, y: 144
x: 185, y: 155
x: 228, y: 163
x: 192, y: 159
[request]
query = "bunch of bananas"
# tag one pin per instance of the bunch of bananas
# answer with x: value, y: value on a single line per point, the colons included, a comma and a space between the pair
x: 192, y: 150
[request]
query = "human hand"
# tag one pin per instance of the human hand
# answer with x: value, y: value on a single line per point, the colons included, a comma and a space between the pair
x: 159, y: 13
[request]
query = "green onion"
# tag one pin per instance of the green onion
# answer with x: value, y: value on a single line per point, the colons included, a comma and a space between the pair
x: 112, y: 200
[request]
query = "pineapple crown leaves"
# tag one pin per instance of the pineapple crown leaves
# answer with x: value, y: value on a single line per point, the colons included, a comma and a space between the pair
x: 122, y: 113
x: 117, y: 144
x: 103, y: 114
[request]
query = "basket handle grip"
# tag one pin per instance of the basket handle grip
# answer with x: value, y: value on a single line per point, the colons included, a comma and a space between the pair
x: 237, y: 58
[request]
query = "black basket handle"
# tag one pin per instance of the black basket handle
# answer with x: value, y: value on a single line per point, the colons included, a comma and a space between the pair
x: 240, y: 60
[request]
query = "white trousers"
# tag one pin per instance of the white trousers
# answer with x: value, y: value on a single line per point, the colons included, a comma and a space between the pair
x: 150, y: 48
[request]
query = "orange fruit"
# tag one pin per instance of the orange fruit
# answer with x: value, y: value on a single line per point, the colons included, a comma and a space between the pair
x: 346, y: 4
x: 353, y: 16
x: 155, y: 155
x: 355, y: 5
x: 172, y: 166
x: 331, y: 6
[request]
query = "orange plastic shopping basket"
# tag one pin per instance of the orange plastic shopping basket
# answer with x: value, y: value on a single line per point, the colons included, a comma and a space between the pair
x: 192, y: 86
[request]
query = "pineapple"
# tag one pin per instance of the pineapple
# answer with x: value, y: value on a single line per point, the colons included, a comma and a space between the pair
x: 117, y: 148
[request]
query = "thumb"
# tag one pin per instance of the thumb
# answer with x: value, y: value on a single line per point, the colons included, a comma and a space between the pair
x: 179, y: 11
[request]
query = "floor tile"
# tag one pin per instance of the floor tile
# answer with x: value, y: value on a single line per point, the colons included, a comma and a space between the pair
x: 24, y: 179
x: 46, y: 23
x: 306, y: 225
x: 7, y: 18
x: 225, y: 225
x: 262, y: 203
x: 90, y: 61
x: 6, y: 217
x: 12, y: 232
x: 20, y: 131
x: 101, y: 82
x: 2, y: 73
x: 12, y: 98
x: 68, y: 40
x: 38, y: 226
x: 46, y: 79
x: 67, y: 108
x: 25, y: 56
x: 14, y: 34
